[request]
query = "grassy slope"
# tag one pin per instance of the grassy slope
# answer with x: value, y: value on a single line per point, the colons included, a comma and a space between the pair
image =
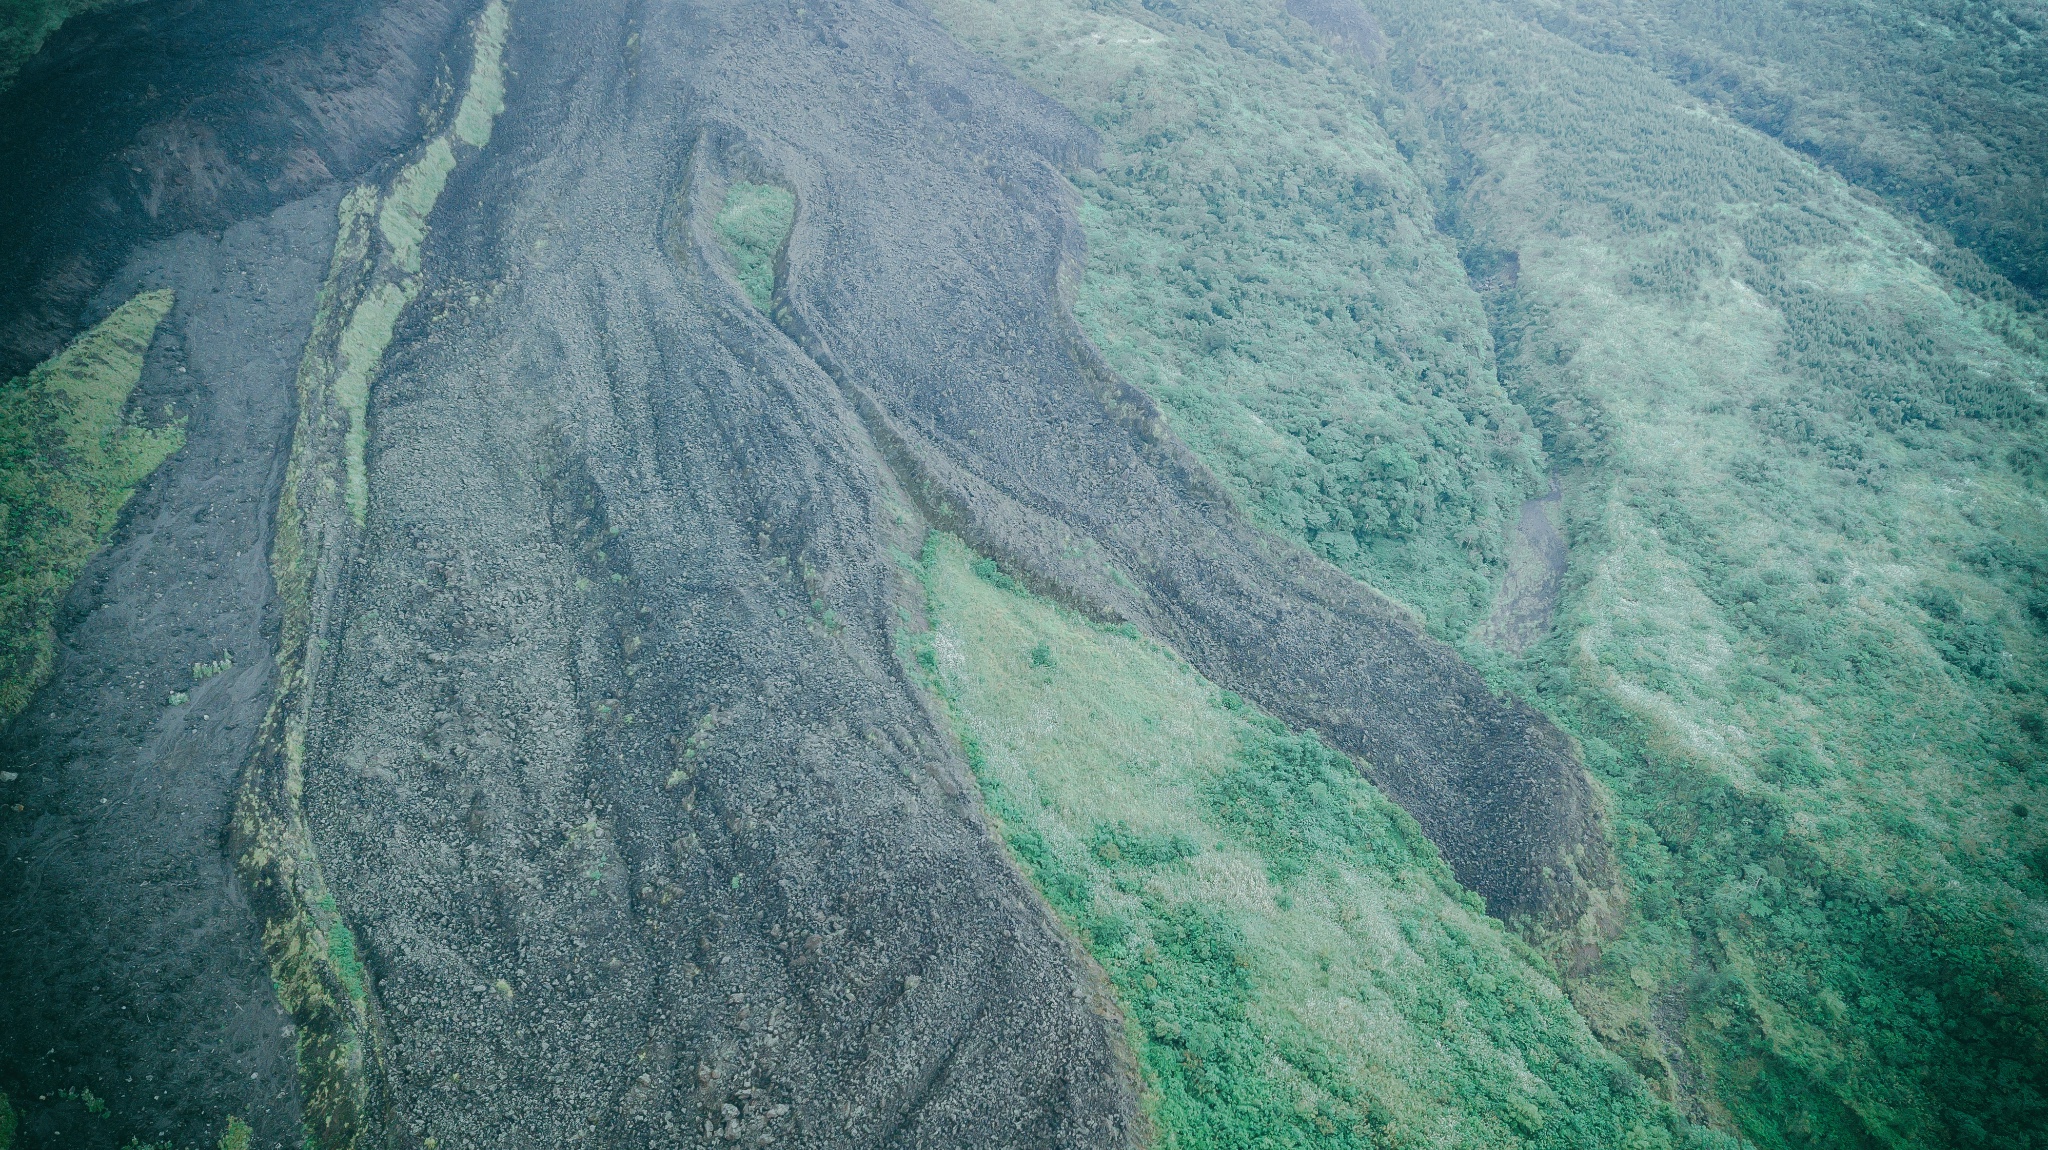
x: 70, y: 455
x: 751, y: 226
x: 1296, y: 966
x: 1802, y: 643
x: 1940, y: 106
x: 1804, y: 632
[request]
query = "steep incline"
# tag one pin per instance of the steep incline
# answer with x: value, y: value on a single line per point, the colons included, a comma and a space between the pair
x: 955, y: 344
x: 192, y: 147
x: 151, y: 119
x: 589, y: 742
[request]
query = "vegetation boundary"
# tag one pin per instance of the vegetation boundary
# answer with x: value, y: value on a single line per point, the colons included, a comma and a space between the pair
x: 375, y: 273
x: 71, y: 454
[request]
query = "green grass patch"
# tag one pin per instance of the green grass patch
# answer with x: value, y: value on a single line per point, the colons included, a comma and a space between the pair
x: 1296, y: 965
x: 751, y: 226
x: 71, y: 453
x: 342, y: 955
x: 485, y: 96
x: 341, y: 951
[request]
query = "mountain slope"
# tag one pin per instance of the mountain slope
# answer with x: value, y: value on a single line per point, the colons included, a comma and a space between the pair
x: 1940, y: 108
x: 1044, y: 573
x: 1779, y: 422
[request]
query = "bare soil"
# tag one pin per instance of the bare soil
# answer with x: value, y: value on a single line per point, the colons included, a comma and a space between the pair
x: 1528, y: 597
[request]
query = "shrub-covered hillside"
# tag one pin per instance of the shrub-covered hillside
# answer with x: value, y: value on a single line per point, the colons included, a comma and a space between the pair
x: 1800, y: 450
x: 1264, y: 262
x: 1939, y: 106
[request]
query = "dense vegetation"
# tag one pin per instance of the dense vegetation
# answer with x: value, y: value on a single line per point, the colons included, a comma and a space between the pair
x: 1296, y: 965
x: 1800, y: 447
x: 751, y: 227
x: 1802, y: 643
x: 70, y: 455
x: 1940, y: 106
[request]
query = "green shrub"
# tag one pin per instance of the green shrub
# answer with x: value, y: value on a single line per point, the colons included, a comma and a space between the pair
x: 751, y: 226
x: 1784, y: 419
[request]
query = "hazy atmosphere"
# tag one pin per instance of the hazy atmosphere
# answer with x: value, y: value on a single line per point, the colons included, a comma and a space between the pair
x: 929, y: 574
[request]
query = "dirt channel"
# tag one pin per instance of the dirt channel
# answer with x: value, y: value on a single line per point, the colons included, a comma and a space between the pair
x: 1528, y: 597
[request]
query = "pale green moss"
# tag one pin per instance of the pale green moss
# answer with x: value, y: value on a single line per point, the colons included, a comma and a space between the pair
x: 403, y: 220
x: 486, y: 95
x: 345, y: 369
x: 70, y: 456
x: 374, y: 275
x: 358, y: 354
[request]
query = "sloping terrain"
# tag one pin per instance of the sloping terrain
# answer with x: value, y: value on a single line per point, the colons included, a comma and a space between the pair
x: 555, y: 671
x: 1938, y: 107
x: 139, y: 1004
x: 124, y: 913
x: 1293, y: 959
x: 148, y: 120
x: 845, y: 575
x: 1796, y: 446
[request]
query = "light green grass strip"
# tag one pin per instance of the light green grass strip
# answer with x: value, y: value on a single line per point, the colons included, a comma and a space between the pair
x: 486, y: 95
x: 1296, y: 965
x: 70, y: 456
x: 393, y: 266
